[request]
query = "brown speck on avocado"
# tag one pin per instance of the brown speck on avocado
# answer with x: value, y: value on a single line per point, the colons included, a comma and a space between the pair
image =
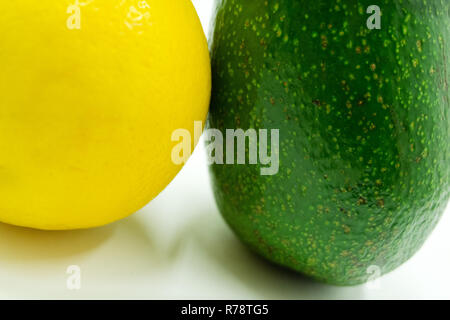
x: 346, y: 229
x: 361, y: 201
x: 324, y: 42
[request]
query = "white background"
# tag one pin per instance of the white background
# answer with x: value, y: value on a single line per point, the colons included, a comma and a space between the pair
x: 178, y: 247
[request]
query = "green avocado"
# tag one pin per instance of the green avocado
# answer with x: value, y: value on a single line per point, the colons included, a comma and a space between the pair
x: 364, y: 129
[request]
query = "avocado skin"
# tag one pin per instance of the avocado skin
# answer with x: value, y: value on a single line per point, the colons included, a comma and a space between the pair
x: 364, y: 130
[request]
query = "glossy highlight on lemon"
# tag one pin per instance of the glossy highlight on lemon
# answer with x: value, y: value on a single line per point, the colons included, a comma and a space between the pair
x: 90, y: 93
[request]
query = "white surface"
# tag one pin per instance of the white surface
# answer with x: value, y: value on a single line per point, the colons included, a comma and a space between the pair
x: 178, y: 247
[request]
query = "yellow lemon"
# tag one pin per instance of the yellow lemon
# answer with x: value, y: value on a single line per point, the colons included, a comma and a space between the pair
x: 90, y: 94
